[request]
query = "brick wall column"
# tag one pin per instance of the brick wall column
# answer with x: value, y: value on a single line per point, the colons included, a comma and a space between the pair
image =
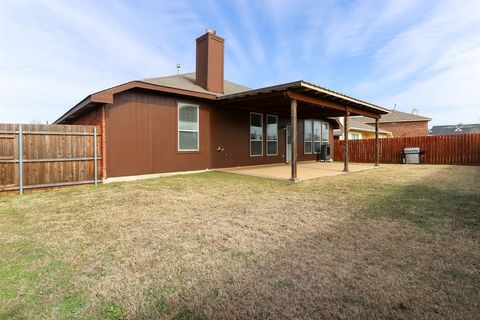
x: 103, y: 128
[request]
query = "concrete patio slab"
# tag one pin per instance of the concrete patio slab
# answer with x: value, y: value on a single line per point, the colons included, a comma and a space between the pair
x: 306, y: 170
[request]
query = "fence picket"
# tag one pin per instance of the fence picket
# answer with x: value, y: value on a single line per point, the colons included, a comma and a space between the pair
x: 48, y: 142
x: 461, y: 149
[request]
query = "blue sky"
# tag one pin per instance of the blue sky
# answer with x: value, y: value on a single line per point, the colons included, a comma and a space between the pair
x: 423, y: 54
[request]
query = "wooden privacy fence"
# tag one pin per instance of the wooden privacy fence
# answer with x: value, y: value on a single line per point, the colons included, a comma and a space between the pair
x: 462, y: 149
x: 43, y: 156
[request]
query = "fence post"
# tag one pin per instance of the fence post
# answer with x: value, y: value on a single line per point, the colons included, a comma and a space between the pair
x: 20, y: 159
x: 95, y: 155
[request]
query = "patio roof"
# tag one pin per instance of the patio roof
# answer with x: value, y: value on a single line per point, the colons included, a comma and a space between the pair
x: 301, y: 99
x: 308, y: 93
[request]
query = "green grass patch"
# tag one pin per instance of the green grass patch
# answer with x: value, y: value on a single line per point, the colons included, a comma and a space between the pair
x: 427, y: 207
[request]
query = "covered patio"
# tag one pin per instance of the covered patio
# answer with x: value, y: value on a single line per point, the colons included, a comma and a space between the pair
x: 303, y: 100
x: 306, y: 170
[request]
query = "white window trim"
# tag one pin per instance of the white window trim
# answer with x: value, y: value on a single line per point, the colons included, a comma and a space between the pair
x: 250, y: 134
x: 267, y: 141
x: 184, y: 104
x: 304, y: 140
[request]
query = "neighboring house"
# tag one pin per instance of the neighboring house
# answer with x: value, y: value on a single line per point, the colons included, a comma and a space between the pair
x: 199, y: 121
x: 402, y: 124
x: 455, y: 129
x: 358, y: 129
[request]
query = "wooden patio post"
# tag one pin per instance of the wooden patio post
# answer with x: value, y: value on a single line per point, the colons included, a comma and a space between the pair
x: 377, y: 145
x: 345, y: 145
x: 293, y: 106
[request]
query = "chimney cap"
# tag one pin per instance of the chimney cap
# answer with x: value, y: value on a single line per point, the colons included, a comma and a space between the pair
x: 212, y: 31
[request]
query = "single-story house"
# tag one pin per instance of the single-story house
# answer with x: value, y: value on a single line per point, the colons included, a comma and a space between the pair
x: 199, y: 121
x: 455, y: 129
x: 402, y: 124
x: 358, y: 129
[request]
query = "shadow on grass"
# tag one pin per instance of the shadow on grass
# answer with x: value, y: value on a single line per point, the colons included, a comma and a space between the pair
x: 427, y: 207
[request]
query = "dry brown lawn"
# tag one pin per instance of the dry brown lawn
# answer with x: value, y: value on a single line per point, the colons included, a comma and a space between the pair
x: 400, y: 242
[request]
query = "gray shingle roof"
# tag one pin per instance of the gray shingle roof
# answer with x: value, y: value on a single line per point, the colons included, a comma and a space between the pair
x: 398, y: 116
x: 359, y: 124
x: 186, y: 81
x: 455, y: 129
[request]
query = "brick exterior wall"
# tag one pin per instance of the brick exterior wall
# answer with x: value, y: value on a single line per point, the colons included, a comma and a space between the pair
x: 91, y: 118
x: 406, y: 129
x: 97, y: 117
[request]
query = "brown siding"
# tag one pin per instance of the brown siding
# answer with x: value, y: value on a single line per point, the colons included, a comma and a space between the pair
x: 142, y: 136
x: 230, y: 133
x: 406, y: 129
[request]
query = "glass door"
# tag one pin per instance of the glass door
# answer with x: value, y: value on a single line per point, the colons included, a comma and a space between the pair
x: 288, y: 144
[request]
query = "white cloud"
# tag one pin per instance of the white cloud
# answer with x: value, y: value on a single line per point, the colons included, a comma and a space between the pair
x: 413, y: 53
x: 55, y: 53
x: 434, y: 65
x: 364, y: 24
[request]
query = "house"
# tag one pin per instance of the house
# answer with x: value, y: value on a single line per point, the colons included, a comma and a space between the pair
x: 358, y: 129
x: 455, y: 129
x: 199, y: 121
x: 402, y: 124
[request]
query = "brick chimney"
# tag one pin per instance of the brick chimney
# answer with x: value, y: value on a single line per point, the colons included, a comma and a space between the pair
x: 209, y: 70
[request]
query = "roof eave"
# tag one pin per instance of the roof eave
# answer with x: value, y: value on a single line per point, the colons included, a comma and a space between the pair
x: 368, y: 130
x: 342, y: 96
x: 106, y: 96
x: 396, y: 121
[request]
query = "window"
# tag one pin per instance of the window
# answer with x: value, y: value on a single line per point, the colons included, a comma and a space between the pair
x: 308, y: 137
x: 256, y: 134
x: 188, y: 127
x: 355, y: 136
x: 317, y: 134
x: 272, y: 135
x: 324, y: 132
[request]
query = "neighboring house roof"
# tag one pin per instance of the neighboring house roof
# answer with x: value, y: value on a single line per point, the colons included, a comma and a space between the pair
x: 358, y: 124
x: 187, y: 81
x: 455, y: 129
x: 398, y: 116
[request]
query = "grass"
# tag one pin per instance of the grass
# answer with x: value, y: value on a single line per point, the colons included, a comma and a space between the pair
x: 399, y: 242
